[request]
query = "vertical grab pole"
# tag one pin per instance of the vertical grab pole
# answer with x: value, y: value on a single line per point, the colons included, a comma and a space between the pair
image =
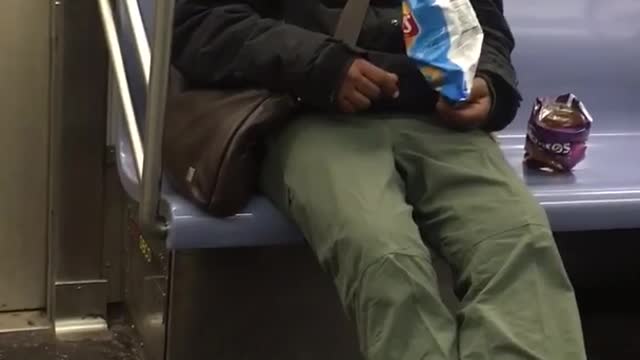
x: 154, y: 121
x: 119, y: 71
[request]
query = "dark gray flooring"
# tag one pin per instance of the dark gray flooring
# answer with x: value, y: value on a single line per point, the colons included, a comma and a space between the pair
x: 121, y: 343
x: 604, y: 267
x: 612, y: 331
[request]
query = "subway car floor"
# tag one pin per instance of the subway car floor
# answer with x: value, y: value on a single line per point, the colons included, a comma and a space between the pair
x: 612, y: 331
x: 120, y: 343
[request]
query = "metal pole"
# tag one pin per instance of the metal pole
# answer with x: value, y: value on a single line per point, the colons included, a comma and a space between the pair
x: 140, y: 36
x: 154, y: 122
x: 119, y: 71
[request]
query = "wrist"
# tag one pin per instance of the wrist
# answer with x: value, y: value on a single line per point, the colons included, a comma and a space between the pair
x: 326, y: 77
x: 505, y: 101
x: 492, y: 91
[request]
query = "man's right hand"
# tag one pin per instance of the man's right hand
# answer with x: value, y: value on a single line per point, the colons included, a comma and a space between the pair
x: 363, y: 84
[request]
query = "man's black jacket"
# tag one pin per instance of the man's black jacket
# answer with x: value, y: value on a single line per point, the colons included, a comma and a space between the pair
x: 284, y: 45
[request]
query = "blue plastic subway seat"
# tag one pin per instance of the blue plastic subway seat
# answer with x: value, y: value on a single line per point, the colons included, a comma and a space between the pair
x: 260, y: 224
x: 581, y: 47
x: 572, y: 54
x: 603, y: 192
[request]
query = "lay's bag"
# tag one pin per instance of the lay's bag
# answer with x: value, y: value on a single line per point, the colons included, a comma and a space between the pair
x: 445, y: 39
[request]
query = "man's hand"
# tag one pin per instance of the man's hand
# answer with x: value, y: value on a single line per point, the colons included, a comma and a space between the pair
x: 363, y: 84
x: 471, y: 114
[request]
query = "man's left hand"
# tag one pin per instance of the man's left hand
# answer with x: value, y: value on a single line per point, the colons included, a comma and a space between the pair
x: 471, y: 114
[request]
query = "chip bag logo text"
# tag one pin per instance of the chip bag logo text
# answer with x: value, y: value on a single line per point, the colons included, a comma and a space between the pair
x: 555, y: 148
x: 409, y: 25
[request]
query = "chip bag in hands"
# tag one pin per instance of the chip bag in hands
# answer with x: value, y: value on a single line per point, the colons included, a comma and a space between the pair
x: 444, y: 38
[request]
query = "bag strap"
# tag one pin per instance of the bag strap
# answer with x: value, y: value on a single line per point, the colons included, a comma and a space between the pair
x: 351, y: 21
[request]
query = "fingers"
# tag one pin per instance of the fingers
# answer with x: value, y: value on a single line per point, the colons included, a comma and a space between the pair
x: 479, y: 90
x: 386, y: 81
x: 468, y: 115
x: 445, y: 108
x: 363, y: 84
x: 390, y: 86
x: 358, y: 100
x: 346, y: 106
x: 354, y: 101
x: 479, y: 94
x: 368, y: 88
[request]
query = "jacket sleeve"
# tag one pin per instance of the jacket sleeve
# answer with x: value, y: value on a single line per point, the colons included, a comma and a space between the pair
x: 237, y: 43
x: 495, y: 64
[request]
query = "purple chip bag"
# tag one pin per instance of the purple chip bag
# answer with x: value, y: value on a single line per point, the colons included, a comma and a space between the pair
x: 557, y: 133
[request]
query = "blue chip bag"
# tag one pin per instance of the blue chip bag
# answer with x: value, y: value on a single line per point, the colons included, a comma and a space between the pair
x: 445, y: 39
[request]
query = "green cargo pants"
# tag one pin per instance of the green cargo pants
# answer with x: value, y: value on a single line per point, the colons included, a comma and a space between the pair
x: 376, y: 196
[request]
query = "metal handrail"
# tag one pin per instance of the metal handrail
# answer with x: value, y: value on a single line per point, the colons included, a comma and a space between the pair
x: 140, y: 37
x: 155, y: 64
x: 115, y: 51
x: 154, y: 122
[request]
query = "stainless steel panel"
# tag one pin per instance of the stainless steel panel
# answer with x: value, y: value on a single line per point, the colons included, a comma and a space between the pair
x: 77, y: 163
x: 255, y: 302
x: 81, y: 307
x: 146, y: 289
x: 24, y: 139
x: 114, y: 230
x: 80, y: 136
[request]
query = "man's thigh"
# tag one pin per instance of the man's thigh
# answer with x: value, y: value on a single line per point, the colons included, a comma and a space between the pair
x: 336, y: 178
x: 462, y: 188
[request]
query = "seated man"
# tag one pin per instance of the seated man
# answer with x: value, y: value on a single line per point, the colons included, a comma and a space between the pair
x: 378, y: 179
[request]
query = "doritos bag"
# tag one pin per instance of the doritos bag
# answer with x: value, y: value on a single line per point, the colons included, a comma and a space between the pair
x: 557, y: 134
x: 445, y: 39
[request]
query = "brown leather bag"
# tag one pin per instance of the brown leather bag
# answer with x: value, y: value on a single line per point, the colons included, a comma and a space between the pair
x: 211, y: 141
x: 212, y: 138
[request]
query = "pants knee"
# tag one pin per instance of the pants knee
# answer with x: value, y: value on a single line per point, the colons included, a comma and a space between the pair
x: 507, y: 256
x: 367, y: 257
x: 391, y: 296
x: 356, y: 244
x: 390, y: 281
